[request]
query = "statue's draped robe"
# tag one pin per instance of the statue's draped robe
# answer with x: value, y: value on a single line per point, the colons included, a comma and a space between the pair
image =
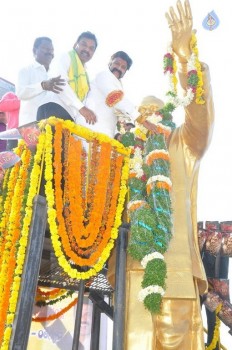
x: 180, y: 325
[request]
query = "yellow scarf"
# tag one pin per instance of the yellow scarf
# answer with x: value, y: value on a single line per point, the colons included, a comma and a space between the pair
x: 78, y: 78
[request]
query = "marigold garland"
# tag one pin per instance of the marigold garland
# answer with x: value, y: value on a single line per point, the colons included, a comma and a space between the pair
x: 199, y: 87
x: 86, y: 133
x: 216, y: 333
x: 50, y: 294
x: 57, y: 315
x: 25, y: 210
x: 12, y: 235
x: 105, y: 242
x: 51, y: 297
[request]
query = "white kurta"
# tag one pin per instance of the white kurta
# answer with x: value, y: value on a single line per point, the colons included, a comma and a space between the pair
x: 30, y: 92
x: 105, y: 83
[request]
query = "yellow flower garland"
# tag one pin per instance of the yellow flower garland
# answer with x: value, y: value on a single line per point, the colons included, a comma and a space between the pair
x: 10, y: 202
x: 89, y: 135
x: 20, y: 256
x: 199, y: 90
x: 216, y: 333
x: 85, y: 133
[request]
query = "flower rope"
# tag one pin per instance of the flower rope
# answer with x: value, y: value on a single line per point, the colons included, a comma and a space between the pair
x: 216, y: 333
x: 56, y: 315
x: 149, y: 207
x: 194, y: 77
x: 51, y: 297
x: 97, y: 231
x: 50, y: 294
x: 26, y: 188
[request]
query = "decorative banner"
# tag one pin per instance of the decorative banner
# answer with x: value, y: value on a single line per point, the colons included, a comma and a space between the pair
x: 221, y: 287
x: 58, y: 333
x: 212, y: 301
x: 30, y: 133
x: 225, y: 313
x: 11, y: 134
x: 8, y: 159
x: 211, y: 21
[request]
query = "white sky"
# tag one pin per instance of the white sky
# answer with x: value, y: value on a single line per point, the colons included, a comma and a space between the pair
x: 140, y: 29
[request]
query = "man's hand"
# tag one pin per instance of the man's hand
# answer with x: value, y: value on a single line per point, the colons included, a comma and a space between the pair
x: 53, y: 84
x: 89, y: 116
x: 181, y: 27
x: 150, y: 127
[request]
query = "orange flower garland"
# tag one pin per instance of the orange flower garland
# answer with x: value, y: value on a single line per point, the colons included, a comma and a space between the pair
x: 11, y: 282
x: 92, y: 226
x: 57, y: 315
x: 50, y: 293
x: 100, y: 193
x: 157, y: 154
x: 84, y: 236
x: 17, y: 213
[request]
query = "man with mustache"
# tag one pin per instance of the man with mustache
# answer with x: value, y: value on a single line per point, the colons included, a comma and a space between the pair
x: 69, y: 104
x: 106, y: 96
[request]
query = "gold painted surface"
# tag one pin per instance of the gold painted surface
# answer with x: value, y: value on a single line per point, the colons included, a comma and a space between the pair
x: 180, y: 322
x: 179, y: 327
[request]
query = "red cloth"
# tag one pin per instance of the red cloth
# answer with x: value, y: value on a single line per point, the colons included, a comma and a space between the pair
x: 10, y: 104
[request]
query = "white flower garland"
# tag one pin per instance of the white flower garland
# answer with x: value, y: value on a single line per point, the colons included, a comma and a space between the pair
x: 172, y: 93
x: 137, y: 203
x: 149, y: 290
x: 156, y: 151
x: 181, y: 101
x: 159, y: 178
x: 149, y: 257
x: 154, y: 119
x: 136, y: 163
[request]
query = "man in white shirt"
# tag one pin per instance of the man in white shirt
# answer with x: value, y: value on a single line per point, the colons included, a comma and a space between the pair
x: 106, y: 96
x: 71, y: 67
x: 34, y: 83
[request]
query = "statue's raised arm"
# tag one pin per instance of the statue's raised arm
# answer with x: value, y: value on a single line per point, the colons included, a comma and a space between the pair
x: 181, y: 22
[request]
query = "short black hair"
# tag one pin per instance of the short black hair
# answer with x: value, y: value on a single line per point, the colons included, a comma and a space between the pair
x: 87, y: 35
x: 130, y: 124
x: 38, y: 41
x: 124, y: 56
x: 116, y: 136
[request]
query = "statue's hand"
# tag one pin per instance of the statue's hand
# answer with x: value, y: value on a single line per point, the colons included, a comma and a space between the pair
x: 181, y: 27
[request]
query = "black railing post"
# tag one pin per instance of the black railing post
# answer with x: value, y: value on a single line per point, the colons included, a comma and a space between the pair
x: 120, y: 277
x: 22, y: 323
x: 95, y: 329
x: 77, y: 327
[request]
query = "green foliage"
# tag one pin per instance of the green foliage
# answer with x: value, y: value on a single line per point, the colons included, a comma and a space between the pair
x: 151, y: 224
x: 152, y: 303
x: 137, y: 188
x: 193, y: 79
x: 155, y: 273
